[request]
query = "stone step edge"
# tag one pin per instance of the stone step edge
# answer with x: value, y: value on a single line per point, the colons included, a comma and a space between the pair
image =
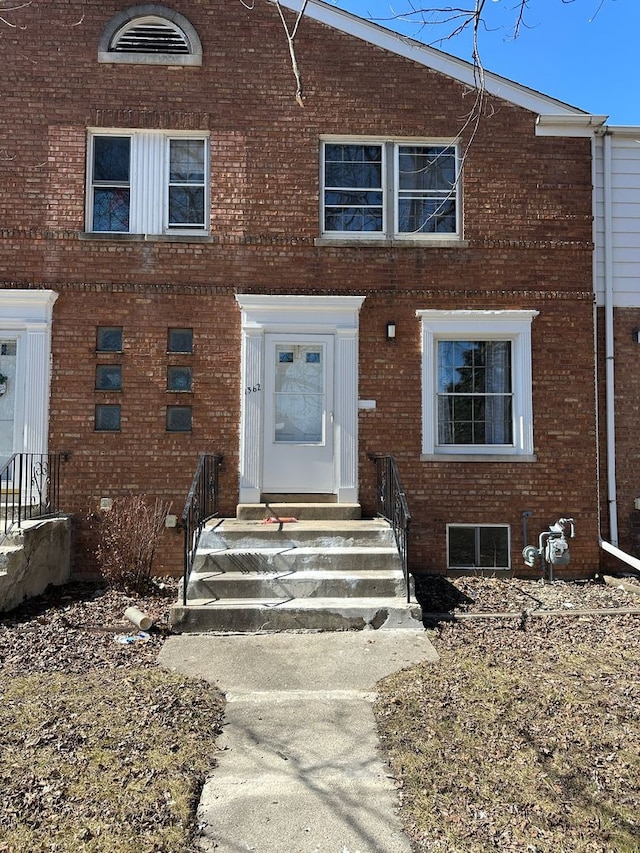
x: 319, y: 510
x: 303, y: 574
x: 333, y: 525
x: 297, y: 603
x: 301, y: 551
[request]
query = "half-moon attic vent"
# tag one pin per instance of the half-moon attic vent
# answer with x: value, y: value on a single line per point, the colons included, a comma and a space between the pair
x: 151, y: 35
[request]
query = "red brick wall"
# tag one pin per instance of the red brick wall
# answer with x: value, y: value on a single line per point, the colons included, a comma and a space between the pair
x: 527, y: 220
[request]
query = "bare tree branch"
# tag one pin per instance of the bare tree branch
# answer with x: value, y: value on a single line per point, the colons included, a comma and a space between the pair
x: 8, y: 6
x: 291, y: 35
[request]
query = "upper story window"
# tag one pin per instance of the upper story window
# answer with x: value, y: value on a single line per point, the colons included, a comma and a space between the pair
x: 400, y: 190
x: 150, y: 35
x: 147, y: 182
x: 477, y: 383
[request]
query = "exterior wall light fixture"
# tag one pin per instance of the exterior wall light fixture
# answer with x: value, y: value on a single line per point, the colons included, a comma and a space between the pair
x: 391, y: 330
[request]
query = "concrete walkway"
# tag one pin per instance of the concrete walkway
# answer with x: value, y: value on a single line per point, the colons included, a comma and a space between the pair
x: 300, y: 770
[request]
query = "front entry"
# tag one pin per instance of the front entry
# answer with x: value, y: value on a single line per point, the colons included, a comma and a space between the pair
x: 298, y: 414
x: 25, y: 370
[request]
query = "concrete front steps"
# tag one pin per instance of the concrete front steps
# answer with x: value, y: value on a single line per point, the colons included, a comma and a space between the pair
x: 327, y: 573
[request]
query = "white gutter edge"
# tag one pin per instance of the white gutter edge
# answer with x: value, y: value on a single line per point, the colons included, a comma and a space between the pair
x: 634, y: 562
x: 609, y: 344
x: 574, y: 126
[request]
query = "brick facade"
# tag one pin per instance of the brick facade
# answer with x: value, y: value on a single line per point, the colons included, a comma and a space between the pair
x: 527, y: 232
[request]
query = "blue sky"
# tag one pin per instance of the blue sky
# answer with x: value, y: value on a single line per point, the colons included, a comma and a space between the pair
x: 586, y: 52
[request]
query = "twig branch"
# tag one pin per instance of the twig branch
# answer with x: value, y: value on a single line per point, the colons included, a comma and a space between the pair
x: 291, y: 35
x: 12, y: 7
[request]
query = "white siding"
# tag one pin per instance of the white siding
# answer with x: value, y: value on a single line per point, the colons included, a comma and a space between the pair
x: 625, y: 218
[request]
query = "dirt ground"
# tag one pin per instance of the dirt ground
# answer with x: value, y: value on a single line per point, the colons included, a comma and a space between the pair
x: 74, y: 640
x: 525, y: 736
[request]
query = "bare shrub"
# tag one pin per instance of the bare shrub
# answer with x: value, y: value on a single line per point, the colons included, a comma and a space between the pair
x: 128, y: 534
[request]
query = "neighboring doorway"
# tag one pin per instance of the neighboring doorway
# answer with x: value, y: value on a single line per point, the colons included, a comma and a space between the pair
x: 8, y: 376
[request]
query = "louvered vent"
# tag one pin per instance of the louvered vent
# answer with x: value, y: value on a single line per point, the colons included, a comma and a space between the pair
x: 151, y: 37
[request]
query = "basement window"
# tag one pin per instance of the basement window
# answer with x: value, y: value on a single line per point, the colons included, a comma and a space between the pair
x: 471, y: 547
x: 150, y: 35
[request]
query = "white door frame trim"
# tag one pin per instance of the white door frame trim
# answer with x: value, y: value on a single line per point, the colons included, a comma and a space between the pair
x: 27, y: 314
x: 330, y: 315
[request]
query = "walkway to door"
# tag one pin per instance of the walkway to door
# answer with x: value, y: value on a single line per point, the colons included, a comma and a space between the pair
x: 300, y: 767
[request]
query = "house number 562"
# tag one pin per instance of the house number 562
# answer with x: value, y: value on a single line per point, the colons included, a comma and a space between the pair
x: 252, y: 389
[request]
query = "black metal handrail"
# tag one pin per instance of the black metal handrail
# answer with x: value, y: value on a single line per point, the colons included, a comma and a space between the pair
x: 391, y: 504
x: 30, y: 488
x: 201, y: 505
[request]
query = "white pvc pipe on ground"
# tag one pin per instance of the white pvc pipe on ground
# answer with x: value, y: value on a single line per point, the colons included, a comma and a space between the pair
x: 139, y: 619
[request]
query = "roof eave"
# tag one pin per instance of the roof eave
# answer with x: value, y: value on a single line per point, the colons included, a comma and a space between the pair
x: 458, y: 69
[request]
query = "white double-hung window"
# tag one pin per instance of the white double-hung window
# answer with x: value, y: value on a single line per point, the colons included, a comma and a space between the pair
x: 390, y: 189
x: 477, y: 383
x: 148, y: 182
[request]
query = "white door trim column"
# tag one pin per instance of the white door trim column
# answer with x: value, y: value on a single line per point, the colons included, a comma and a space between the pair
x: 332, y: 315
x: 27, y: 314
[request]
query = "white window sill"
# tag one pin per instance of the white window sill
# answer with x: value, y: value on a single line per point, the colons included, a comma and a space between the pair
x: 478, y: 457
x: 145, y: 238
x: 396, y: 242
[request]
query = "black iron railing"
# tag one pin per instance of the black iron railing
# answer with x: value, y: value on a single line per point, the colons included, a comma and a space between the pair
x: 201, y: 505
x: 30, y: 488
x: 391, y: 504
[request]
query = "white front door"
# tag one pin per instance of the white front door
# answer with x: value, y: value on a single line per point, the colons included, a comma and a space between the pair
x: 298, y: 414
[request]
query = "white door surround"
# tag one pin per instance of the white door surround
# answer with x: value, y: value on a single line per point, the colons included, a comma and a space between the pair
x: 26, y: 316
x: 335, y: 316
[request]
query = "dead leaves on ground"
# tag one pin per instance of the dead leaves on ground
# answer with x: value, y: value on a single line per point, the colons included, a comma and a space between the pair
x: 102, y: 751
x: 520, y: 740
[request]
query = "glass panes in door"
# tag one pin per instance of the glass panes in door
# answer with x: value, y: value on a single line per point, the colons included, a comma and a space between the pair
x: 299, y: 393
x: 8, y: 361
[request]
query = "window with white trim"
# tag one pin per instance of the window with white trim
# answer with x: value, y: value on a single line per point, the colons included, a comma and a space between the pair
x: 477, y: 385
x: 483, y: 546
x: 148, y: 182
x: 390, y: 189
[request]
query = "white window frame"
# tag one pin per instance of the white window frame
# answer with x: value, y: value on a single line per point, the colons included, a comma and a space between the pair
x: 514, y: 326
x: 390, y: 166
x: 149, y: 181
x: 476, y: 528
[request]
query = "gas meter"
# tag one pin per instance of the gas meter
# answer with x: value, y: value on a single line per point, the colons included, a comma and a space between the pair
x: 553, y: 548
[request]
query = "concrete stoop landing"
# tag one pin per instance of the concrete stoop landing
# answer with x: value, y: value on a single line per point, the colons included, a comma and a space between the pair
x: 326, y: 571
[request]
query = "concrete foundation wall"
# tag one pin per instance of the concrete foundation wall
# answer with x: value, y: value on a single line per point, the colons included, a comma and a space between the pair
x: 33, y: 558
